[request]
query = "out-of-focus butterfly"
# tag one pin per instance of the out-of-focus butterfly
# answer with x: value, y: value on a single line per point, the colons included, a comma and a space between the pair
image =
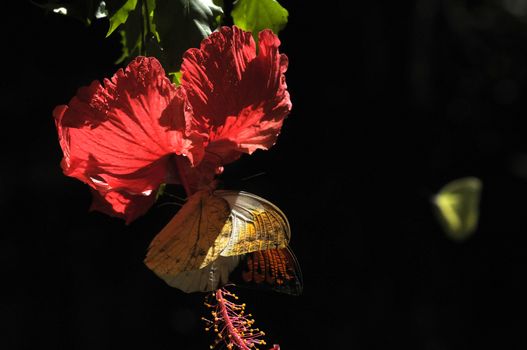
x: 222, y: 237
x: 457, y: 205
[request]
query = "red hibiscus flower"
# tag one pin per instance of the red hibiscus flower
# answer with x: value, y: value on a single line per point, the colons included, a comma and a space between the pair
x: 238, y: 95
x: 127, y: 136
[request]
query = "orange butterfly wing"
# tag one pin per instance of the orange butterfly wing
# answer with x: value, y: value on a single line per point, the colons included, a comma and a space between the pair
x: 275, y: 269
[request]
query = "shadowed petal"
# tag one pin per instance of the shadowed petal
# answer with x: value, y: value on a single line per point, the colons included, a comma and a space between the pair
x: 121, y: 204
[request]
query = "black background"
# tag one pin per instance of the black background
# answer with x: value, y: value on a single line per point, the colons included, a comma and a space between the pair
x: 390, y: 102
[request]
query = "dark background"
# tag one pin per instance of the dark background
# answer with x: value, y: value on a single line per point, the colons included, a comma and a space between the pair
x: 390, y: 103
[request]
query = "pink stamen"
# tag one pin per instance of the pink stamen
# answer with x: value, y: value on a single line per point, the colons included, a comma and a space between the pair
x: 231, y: 325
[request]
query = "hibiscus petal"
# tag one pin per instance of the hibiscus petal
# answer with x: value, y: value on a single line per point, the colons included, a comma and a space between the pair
x: 111, y: 134
x: 202, y: 176
x: 236, y: 94
x: 121, y: 204
x: 179, y: 116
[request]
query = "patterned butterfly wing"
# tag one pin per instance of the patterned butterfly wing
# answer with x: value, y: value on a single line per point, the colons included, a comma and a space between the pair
x: 257, y: 224
x: 261, y: 232
x: 192, y: 240
x: 273, y: 269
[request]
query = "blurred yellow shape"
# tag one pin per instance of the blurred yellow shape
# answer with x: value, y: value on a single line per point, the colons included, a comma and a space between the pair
x: 457, y: 206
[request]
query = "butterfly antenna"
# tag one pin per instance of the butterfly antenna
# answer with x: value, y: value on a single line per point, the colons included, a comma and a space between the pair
x: 250, y: 177
x: 170, y: 203
x: 181, y: 199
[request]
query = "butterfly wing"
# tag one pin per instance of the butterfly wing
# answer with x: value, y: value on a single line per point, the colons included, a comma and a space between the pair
x: 273, y: 269
x: 257, y: 224
x: 206, y: 279
x: 457, y: 205
x: 193, y: 239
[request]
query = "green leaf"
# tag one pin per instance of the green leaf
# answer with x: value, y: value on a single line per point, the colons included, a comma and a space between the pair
x: 457, y: 205
x: 151, y: 5
x: 256, y: 15
x: 175, y: 77
x: 169, y: 28
x: 164, y: 29
x: 125, y: 50
x: 121, y: 15
x: 112, y: 6
x: 182, y: 24
x: 138, y: 34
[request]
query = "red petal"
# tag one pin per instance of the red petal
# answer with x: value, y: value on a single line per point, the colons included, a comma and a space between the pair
x: 112, y: 137
x: 201, y: 177
x: 121, y: 204
x: 238, y: 97
x: 179, y: 116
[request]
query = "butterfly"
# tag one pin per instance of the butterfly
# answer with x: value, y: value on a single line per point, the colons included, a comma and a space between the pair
x: 457, y: 207
x: 225, y: 237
